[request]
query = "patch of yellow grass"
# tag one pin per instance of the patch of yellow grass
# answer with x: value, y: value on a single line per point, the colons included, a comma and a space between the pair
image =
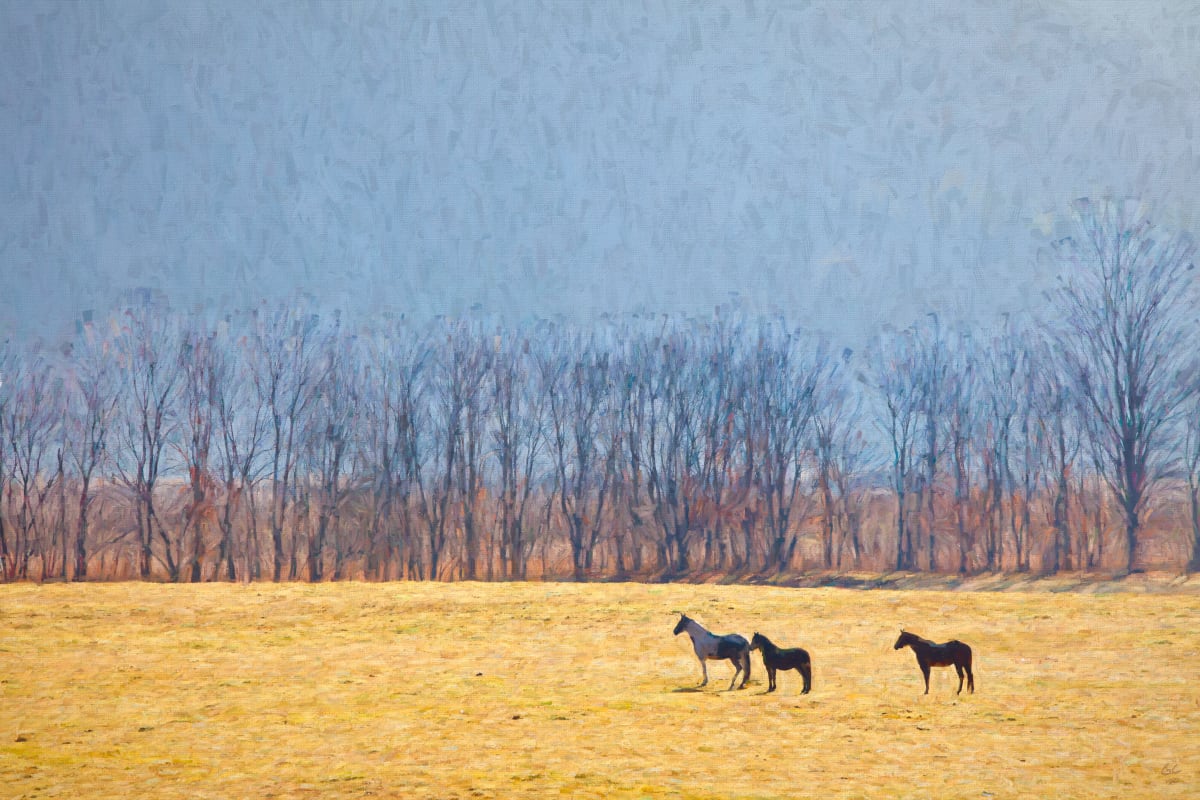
x: 522, y: 690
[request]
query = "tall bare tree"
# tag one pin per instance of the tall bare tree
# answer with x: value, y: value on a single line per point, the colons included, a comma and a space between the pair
x: 148, y: 349
x: 577, y: 381
x: 894, y: 365
x: 8, y: 362
x: 1124, y: 339
x: 434, y: 472
x: 518, y: 438
x: 633, y: 400
x: 407, y: 406
x: 91, y: 411
x: 30, y: 424
x: 787, y: 369
x: 720, y: 388
x: 471, y: 363
x: 199, y: 372
x: 1059, y: 437
x: 1029, y: 459
x: 1006, y: 367
x: 330, y: 443
x: 378, y: 452
x: 285, y: 373
x: 241, y: 424
x: 961, y: 430
x: 671, y: 447
x: 852, y: 466
x: 932, y: 367
x: 1191, y: 469
x: 835, y: 416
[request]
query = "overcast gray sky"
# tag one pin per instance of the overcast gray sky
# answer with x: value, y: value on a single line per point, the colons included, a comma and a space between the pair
x: 845, y: 164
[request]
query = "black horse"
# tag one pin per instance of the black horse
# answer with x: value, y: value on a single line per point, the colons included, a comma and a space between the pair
x: 775, y: 658
x: 929, y: 654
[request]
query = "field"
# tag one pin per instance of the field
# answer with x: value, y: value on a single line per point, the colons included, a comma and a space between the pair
x: 530, y: 690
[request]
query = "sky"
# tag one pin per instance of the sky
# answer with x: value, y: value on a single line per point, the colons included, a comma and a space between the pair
x: 845, y: 165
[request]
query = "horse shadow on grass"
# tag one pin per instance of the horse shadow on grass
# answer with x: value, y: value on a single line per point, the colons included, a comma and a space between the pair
x: 701, y: 690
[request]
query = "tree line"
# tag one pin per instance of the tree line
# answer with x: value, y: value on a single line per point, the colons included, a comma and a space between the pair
x: 283, y: 445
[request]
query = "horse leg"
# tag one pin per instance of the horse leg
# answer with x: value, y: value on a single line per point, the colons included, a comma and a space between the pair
x: 958, y: 668
x: 805, y: 671
x: 970, y: 678
x: 770, y: 679
x: 704, y: 669
x: 745, y: 669
x: 737, y: 670
x: 925, y: 672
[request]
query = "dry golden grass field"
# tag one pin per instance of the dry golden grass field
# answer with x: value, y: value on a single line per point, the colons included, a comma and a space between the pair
x: 531, y: 690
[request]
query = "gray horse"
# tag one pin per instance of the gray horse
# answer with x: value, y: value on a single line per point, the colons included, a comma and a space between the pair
x: 709, y: 646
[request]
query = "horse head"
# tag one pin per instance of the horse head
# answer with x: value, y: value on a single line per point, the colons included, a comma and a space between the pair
x: 683, y: 623
x: 905, y: 639
x: 757, y: 640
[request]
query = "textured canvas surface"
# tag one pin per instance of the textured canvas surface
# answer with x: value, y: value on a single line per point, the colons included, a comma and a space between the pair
x: 842, y: 164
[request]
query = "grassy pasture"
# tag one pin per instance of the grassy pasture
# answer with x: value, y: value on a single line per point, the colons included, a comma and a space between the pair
x: 524, y: 690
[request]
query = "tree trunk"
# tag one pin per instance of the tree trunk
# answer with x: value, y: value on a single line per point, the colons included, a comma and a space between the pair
x: 81, y: 533
x: 1194, y: 562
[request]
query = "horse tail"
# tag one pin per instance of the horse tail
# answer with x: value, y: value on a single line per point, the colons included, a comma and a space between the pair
x: 746, y: 660
x: 970, y: 672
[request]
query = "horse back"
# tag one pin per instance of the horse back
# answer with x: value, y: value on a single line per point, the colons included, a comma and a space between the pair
x: 788, y: 658
x: 731, y: 646
x: 949, y: 653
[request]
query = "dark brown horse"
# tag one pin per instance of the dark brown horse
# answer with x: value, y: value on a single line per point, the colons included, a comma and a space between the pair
x: 775, y: 658
x: 929, y: 654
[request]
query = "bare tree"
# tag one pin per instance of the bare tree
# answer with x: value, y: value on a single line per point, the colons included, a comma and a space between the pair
x: 1029, y: 459
x: 1123, y: 340
x: 633, y: 399
x: 33, y: 412
x: 378, y: 453
x: 894, y: 365
x: 518, y: 438
x: 1006, y: 366
x: 931, y: 377
x: 446, y: 409
x: 241, y: 423
x: 91, y: 410
x: 285, y: 374
x: 961, y: 429
x: 1054, y: 414
x: 720, y: 388
x: 578, y: 387
x: 8, y: 364
x: 852, y: 463
x: 330, y: 441
x: 1191, y: 461
x: 671, y: 447
x: 835, y: 416
x: 148, y: 349
x: 199, y: 372
x: 471, y: 364
x: 408, y: 408
x: 786, y: 370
